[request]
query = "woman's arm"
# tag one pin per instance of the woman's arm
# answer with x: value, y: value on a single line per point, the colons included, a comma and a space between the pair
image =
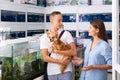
x: 102, y: 67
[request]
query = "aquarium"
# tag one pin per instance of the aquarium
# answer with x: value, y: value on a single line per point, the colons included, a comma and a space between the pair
x: 12, y: 16
x: 107, y: 2
x: 69, y: 17
x: 35, y: 32
x: 19, y: 61
x: 106, y: 17
x: 16, y: 34
x: 35, y: 17
x: 41, y: 3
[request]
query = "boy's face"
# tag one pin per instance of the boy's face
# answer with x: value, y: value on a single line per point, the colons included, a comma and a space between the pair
x: 56, y: 21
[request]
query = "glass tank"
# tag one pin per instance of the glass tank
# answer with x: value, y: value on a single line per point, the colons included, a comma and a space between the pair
x: 107, y: 2
x: 106, y: 17
x: 12, y: 16
x: 20, y: 61
x: 41, y: 3
x: 16, y: 34
x: 35, y: 17
x: 34, y: 32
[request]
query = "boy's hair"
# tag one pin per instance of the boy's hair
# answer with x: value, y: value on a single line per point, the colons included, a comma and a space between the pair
x: 54, y: 13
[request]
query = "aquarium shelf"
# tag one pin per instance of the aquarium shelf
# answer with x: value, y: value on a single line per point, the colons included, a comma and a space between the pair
x: 18, y: 61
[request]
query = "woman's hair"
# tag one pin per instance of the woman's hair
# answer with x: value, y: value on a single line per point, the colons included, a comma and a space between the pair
x: 99, y: 24
x: 54, y: 13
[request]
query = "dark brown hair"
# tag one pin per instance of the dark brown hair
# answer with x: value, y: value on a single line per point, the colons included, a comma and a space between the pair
x: 54, y: 13
x: 99, y: 24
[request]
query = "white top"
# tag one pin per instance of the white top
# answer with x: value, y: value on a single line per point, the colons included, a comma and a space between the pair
x: 53, y: 68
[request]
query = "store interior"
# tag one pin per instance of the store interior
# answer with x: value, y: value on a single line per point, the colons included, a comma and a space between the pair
x: 23, y: 22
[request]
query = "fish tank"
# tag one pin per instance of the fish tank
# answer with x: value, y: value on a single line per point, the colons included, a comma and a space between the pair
x: 20, y: 61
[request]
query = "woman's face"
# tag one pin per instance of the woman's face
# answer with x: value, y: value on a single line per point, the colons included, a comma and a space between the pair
x: 92, y: 31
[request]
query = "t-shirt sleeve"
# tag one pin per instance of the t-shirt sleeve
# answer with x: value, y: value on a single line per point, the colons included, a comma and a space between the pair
x: 43, y: 42
x: 69, y: 37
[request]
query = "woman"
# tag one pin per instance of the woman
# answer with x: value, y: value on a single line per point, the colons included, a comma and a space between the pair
x: 98, y: 54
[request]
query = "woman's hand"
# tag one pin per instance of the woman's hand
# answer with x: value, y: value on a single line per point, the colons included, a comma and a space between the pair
x: 77, y: 61
x: 87, y: 68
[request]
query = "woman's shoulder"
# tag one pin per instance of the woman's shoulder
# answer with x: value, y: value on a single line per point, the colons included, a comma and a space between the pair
x: 105, y: 44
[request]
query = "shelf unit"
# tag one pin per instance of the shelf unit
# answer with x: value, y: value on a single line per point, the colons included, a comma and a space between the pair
x: 93, y: 9
x: 21, y: 26
x: 77, y: 10
x: 73, y: 26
